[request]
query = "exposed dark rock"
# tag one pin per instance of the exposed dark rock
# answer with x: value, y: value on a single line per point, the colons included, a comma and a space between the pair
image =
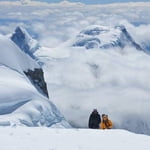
x: 37, y: 79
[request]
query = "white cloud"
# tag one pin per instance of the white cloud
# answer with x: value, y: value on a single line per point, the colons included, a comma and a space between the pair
x: 24, y: 2
x: 119, y: 86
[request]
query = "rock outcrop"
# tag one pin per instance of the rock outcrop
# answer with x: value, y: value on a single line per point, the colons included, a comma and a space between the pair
x: 37, y: 79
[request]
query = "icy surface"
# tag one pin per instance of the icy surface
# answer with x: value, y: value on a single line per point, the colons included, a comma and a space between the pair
x: 64, y: 139
x: 20, y: 102
x: 14, y: 58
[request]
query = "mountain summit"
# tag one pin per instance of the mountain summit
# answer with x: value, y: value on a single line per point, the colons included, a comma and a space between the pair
x: 24, y: 41
x: 104, y: 37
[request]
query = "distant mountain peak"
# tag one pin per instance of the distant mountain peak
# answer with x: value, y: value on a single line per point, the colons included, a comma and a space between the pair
x: 96, y: 36
x: 24, y: 41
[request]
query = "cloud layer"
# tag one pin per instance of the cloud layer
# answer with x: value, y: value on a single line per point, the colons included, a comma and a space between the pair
x: 54, y: 24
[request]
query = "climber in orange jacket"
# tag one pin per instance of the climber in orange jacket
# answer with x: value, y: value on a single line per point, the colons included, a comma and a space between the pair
x: 106, y: 123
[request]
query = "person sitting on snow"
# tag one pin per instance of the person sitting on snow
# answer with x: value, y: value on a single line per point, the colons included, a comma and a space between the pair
x: 106, y: 123
x: 94, y: 120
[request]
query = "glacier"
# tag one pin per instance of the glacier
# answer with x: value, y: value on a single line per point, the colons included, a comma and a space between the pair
x: 21, y: 103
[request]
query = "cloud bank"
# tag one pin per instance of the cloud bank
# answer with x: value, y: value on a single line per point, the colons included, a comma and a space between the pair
x: 56, y: 23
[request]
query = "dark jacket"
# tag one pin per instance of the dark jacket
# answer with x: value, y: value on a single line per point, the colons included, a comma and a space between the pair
x: 94, y: 120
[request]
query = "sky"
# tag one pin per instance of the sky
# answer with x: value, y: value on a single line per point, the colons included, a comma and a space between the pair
x: 91, y: 1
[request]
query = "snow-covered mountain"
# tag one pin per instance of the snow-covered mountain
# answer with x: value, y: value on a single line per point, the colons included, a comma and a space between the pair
x: 23, y: 91
x: 25, y: 41
x: 105, y: 37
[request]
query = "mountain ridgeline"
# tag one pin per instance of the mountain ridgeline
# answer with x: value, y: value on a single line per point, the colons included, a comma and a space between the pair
x: 23, y: 92
x: 28, y: 45
x: 104, y: 38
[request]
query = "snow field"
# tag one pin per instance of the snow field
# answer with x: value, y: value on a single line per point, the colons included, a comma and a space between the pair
x: 70, y: 139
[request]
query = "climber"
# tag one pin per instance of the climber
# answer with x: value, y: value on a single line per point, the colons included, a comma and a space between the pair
x: 106, y: 123
x: 94, y: 120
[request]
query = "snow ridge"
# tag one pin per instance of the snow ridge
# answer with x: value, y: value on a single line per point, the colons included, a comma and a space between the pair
x: 25, y: 41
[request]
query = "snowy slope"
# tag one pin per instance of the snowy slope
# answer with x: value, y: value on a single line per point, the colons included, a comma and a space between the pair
x: 20, y: 102
x: 15, y: 58
x: 74, y: 139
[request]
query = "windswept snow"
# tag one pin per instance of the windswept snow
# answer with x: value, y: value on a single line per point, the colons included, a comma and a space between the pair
x: 13, y: 57
x: 20, y: 102
x: 71, y: 139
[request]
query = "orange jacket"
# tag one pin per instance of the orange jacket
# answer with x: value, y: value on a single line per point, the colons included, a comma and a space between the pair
x: 107, y: 125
